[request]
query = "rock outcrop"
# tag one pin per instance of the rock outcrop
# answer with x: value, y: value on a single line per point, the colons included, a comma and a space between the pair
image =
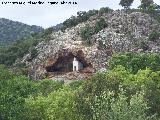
x: 122, y: 34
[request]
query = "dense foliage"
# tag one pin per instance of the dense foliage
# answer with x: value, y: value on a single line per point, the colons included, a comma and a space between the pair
x: 117, y: 94
x: 126, y: 3
x: 87, y: 32
x: 146, y: 3
x: 83, y: 16
x: 135, y: 62
x: 21, y: 47
x: 154, y: 35
x: 129, y: 90
x: 11, y: 31
x: 146, y: 6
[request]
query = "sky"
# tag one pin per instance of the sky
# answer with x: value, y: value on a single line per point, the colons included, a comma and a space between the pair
x: 48, y: 15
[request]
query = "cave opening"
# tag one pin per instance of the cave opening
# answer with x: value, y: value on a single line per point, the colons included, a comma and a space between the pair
x: 65, y: 64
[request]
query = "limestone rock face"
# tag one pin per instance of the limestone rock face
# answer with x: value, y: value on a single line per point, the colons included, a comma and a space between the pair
x: 123, y: 32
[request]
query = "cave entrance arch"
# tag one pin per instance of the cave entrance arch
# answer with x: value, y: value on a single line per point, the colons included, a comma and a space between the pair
x: 64, y: 64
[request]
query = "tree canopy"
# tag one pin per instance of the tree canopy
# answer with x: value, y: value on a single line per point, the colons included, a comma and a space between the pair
x: 126, y: 3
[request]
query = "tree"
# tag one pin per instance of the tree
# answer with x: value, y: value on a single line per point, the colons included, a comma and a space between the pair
x: 135, y: 62
x: 12, y: 97
x: 146, y: 3
x: 104, y: 10
x: 106, y: 107
x: 82, y: 16
x: 86, y: 33
x: 5, y: 74
x: 33, y: 52
x: 45, y: 87
x: 59, y: 105
x: 100, y: 25
x: 126, y: 3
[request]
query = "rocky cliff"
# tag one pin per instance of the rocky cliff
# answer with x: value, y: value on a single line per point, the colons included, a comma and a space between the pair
x: 125, y: 32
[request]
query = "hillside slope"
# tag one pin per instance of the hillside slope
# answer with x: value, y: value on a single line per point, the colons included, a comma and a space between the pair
x: 134, y: 32
x: 11, y: 31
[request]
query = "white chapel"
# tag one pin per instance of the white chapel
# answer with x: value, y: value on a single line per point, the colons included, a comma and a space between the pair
x: 77, y: 65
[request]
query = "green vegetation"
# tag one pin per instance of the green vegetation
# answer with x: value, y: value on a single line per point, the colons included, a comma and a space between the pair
x: 11, y: 31
x: 134, y: 62
x: 118, y: 94
x: 18, y: 49
x: 154, y: 35
x: 143, y: 44
x: 87, y: 32
x: 83, y: 16
x: 100, y: 25
x: 126, y: 3
x: 129, y: 90
x: 145, y: 4
x: 104, y: 10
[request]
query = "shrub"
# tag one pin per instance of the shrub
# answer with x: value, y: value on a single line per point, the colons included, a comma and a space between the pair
x: 86, y: 33
x: 34, y: 52
x: 12, y: 97
x: 76, y: 84
x: 5, y: 74
x: 143, y: 44
x: 135, y: 62
x: 45, y: 87
x: 100, y: 25
x: 154, y: 35
x: 104, y: 10
x: 59, y: 105
x: 83, y: 16
x: 106, y: 107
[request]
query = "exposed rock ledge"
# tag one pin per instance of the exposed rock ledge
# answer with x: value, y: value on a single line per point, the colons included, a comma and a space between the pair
x: 123, y: 32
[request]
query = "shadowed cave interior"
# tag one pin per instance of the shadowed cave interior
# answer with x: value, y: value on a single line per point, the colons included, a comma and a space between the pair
x: 64, y: 64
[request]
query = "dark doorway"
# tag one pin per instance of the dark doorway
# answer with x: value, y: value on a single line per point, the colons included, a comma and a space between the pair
x: 63, y: 64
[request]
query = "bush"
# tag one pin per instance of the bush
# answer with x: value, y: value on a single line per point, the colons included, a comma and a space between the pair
x: 106, y: 107
x: 100, y: 25
x: 45, y: 87
x: 86, y: 33
x: 101, y: 97
x: 12, y: 97
x: 20, y: 69
x: 34, y: 52
x: 143, y: 45
x: 135, y: 62
x: 83, y: 16
x: 130, y: 92
x: 154, y: 35
x: 59, y: 105
x: 145, y: 80
x: 76, y: 84
x: 5, y: 74
x: 104, y: 10
x: 95, y: 86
